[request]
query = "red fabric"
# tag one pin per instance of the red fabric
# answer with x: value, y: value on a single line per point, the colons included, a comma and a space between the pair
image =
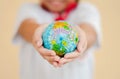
x: 63, y: 15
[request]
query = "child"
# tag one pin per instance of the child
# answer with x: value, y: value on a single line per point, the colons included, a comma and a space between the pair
x: 36, y: 62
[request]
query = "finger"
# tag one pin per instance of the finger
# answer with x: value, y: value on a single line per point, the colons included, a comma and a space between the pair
x: 52, y: 58
x: 49, y: 58
x: 71, y: 55
x: 64, y: 61
x: 55, y: 64
x: 80, y: 45
x: 36, y: 43
x: 84, y: 49
x: 82, y: 40
x: 82, y: 37
x: 38, y: 34
x: 37, y: 38
x: 85, y: 46
x: 39, y: 43
x: 57, y: 58
x: 36, y: 47
x: 46, y: 52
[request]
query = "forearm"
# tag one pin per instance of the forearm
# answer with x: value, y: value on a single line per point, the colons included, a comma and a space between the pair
x: 90, y: 34
x: 27, y: 29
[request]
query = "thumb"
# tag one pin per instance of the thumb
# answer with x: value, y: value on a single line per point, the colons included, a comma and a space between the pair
x: 41, y: 30
x: 39, y: 42
x: 39, y: 33
x: 79, y: 47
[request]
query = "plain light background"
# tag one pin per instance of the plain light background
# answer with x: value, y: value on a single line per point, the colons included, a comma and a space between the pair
x: 107, y: 59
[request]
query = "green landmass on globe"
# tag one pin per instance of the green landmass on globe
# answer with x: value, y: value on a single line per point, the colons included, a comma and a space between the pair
x: 60, y: 37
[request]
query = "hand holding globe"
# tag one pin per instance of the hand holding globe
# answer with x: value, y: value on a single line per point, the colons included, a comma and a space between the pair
x: 60, y: 37
x: 59, y: 42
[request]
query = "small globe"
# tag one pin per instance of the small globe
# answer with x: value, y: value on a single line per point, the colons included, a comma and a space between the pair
x: 60, y: 37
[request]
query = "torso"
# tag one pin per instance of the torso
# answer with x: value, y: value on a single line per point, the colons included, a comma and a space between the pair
x: 33, y: 66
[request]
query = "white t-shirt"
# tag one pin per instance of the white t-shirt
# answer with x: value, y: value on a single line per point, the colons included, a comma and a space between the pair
x: 33, y: 66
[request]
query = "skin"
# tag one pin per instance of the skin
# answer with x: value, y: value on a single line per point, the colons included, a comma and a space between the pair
x: 57, y: 5
x: 33, y: 35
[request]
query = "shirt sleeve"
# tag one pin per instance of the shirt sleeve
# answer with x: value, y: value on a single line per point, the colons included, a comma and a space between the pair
x: 25, y: 12
x: 89, y: 14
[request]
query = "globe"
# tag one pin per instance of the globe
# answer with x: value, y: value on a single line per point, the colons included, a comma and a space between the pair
x: 60, y: 37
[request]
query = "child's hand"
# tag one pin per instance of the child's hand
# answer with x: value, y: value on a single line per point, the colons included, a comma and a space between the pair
x: 81, y: 47
x: 49, y: 55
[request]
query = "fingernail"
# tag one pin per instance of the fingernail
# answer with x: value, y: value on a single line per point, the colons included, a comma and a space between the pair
x: 79, y: 49
x: 38, y: 43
